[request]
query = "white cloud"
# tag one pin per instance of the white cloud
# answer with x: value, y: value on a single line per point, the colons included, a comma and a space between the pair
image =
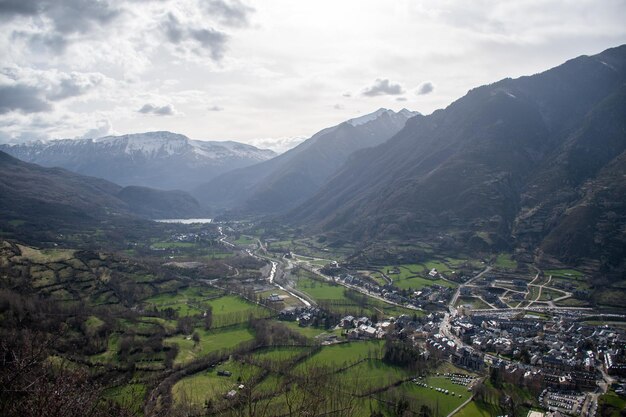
x: 278, y: 145
x: 278, y: 66
x: 101, y: 129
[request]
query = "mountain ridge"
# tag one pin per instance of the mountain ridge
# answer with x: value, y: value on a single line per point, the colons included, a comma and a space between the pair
x: 481, y: 168
x: 276, y: 185
x: 56, y: 199
x: 160, y: 159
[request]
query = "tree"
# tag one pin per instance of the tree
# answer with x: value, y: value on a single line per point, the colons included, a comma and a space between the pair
x: 208, y: 318
x: 184, y: 325
x: 425, y: 411
x: 402, y: 406
x: 30, y: 385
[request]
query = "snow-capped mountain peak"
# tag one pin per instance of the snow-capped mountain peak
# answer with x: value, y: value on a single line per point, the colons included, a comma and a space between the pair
x: 163, y: 160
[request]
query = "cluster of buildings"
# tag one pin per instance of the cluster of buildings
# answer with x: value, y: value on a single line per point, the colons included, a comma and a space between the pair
x: 363, y: 328
x: 560, y: 353
x: 305, y: 316
x: 431, y: 297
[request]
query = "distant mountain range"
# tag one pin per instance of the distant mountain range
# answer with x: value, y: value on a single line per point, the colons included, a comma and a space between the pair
x: 162, y: 160
x: 53, y: 199
x: 281, y: 183
x: 535, y: 163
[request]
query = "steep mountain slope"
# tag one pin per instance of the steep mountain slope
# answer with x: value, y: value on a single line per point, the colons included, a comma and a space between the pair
x: 285, y: 181
x: 161, y: 160
x: 155, y: 204
x: 52, y: 198
x: 527, y: 163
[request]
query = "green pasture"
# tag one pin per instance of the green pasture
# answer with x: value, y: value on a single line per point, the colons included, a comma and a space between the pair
x: 129, y: 396
x: 205, y: 385
x: 343, y: 354
x: 210, y: 341
x: 505, y: 261
x: 278, y: 354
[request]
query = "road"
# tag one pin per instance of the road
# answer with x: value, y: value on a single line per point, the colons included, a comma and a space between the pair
x: 317, y: 272
x: 455, y: 297
x: 444, y: 328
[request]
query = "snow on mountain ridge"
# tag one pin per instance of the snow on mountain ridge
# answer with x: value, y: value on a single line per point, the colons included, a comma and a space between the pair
x: 375, y: 115
x: 149, y: 145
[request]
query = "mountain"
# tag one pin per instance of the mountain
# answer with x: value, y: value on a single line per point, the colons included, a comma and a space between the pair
x: 158, y: 204
x: 54, y: 199
x: 283, y: 182
x: 535, y: 163
x: 161, y: 160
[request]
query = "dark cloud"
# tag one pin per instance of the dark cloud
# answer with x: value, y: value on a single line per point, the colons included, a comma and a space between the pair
x: 425, y: 88
x: 383, y: 87
x: 166, y: 110
x: 80, y: 16
x: 231, y: 13
x: 23, y: 98
x: 73, y: 86
x: 212, y: 40
x: 10, y: 8
x: 173, y: 29
x: 67, y: 16
x: 53, y: 42
x: 209, y: 39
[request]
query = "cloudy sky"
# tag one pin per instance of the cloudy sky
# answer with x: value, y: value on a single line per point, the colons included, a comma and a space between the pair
x: 269, y: 72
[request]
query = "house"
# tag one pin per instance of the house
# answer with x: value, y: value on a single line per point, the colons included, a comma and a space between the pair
x: 274, y: 298
x: 305, y: 320
x: 346, y: 322
x: 433, y: 273
x: 367, y: 331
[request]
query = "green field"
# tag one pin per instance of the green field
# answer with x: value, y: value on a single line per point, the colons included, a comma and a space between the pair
x: 504, y: 261
x: 278, y: 354
x: 549, y: 294
x: 320, y: 290
x: 440, y: 266
x: 110, y: 354
x: 411, y: 276
x: 45, y: 255
x: 417, y: 283
x: 245, y: 240
x: 130, y: 396
x: 611, y: 405
x: 309, y: 331
x: 564, y: 273
x: 343, y: 354
x: 478, y: 409
x: 474, y: 302
x: 231, y: 304
x: 333, y: 298
x: 376, y: 276
x: 444, y: 403
x: 210, y: 341
x: 209, y: 385
x: 372, y: 374
x: 172, y: 245
x: 228, y: 309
